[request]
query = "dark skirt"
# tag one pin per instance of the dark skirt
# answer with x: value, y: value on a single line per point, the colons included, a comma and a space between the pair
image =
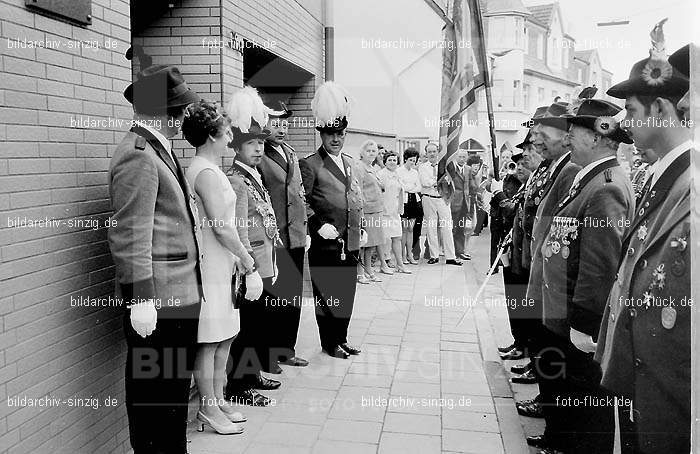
x: 413, y: 208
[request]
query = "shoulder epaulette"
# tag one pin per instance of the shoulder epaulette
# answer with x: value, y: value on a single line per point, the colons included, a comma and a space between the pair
x: 140, y: 143
x: 608, y: 175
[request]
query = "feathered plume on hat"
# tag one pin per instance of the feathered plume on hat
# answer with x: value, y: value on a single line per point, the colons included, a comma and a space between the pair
x: 657, y: 70
x: 583, y: 94
x: 331, y: 106
x: 245, y: 106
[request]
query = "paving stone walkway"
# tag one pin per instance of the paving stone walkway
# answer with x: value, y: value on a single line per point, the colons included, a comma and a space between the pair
x: 421, y: 385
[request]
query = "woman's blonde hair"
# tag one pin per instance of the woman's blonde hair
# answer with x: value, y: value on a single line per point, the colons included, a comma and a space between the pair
x: 366, y: 144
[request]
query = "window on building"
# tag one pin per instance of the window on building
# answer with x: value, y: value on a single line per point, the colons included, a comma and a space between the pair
x: 526, y: 97
x: 580, y: 75
x: 518, y: 29
x: 540, y: 95
x: 498, y: 92
x: 516, y: 92
x: 540, y: 46
x: 527, y: 40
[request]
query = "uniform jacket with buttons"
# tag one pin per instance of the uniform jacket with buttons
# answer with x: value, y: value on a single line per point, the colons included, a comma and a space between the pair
x: 538, y: 210
x: 283, y: 182
x: 332, y: 198
x: 253, y: 228
x: 644, y: 348
x: 155, y: 239
x: 582, y: 248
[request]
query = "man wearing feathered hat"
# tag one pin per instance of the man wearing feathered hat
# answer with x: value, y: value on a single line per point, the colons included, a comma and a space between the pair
x: 251, y: 350
x: 548, y: 184
x: 644, y: 348
x: 334, y: 209
x: 280, y: 170
x: 580, y: 251
x: 155, y: 248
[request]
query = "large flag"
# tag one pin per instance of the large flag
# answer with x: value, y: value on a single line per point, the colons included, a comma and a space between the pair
x: 463, y: 71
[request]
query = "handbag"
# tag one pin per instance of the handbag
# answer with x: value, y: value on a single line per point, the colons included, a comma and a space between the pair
x: 238, y: 290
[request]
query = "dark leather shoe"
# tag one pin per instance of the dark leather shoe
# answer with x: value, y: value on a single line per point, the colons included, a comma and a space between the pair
x: 506, y: 349
x: 454, y: 262
x: 531, y: 410
x: 295, y: 361
x: 249, y: 397
x: 433, y: 261
x: 274, y: 369
x: 538, y: 441
x: 350, y: 349
x: 528, y: 378
x: 337, y: 352
x: 266, y: 383
x: 521, y: 369
x: 513, y: 355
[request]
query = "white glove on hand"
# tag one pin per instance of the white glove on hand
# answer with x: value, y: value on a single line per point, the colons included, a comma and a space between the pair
x: 582, y: 341
x: 496, y: 186
x: 328, y: 232
x: 253, y: 286
x: 143, y: 318
x: 308, y: 243
x: 363, y: 237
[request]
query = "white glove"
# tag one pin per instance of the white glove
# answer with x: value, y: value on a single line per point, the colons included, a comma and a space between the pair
x: 582, y: 341
x: 308, y: 243
x: 328, y: 232
x: 144, y: 317
x: 496, y: 186
x: 363, y: 237
x: 253, y: 286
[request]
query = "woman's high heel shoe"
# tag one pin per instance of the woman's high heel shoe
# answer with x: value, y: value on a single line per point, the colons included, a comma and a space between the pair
x: 221, y: 429
x: 234, y: 416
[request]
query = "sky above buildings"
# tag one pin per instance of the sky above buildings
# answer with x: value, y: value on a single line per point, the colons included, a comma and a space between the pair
x: 621, y: 46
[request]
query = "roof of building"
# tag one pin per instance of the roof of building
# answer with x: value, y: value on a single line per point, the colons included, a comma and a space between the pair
x: 584, y: 55
x: 543, y: 13
x: 506, y: 6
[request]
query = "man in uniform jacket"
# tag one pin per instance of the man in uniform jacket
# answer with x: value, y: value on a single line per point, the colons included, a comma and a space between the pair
x: 644, y: 347
x: 280, y: 171
x: 334, y: 210
x: 462, y: 210
x: 257, y: 229
x: 580, y: 254
x: 155, y: 248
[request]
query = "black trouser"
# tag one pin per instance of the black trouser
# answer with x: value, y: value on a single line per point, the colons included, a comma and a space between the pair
x: 577, y: 420
x: 519, y: 312
x: 333, y: 280
x: 250, y: 350
x: 482, y: 220
x: 416, y: 238
x: 285, y: 309
x: 460, y: 218
x: 496, y: 237
x: 157, y: 380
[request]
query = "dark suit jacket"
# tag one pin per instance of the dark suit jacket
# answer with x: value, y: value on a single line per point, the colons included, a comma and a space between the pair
x: 250, y: 223
x: 155, y: 242
x: 582, y: 248
x: 283, y: 182
x: 332, y: 197
x: 645, y: 350
x: 535, y: 226
x: 462, y: 186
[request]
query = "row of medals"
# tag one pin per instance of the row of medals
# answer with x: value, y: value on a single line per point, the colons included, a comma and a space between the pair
x: 562, y: 231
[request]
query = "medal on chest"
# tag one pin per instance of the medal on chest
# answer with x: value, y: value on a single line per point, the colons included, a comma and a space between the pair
x: 562, y: 232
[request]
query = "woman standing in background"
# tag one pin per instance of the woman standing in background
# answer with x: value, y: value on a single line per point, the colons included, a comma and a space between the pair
x: 393, y: 207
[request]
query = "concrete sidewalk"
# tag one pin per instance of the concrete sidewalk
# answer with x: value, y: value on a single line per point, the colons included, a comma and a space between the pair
x: 422, y: 384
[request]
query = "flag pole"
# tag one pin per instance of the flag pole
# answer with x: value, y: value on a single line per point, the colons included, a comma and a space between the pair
x: 487, y: 87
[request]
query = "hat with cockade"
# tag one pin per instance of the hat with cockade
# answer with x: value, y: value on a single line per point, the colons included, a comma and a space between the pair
x: 602, y: 117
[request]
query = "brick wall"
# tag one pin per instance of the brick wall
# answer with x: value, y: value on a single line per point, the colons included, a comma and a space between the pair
x: 50, y: 169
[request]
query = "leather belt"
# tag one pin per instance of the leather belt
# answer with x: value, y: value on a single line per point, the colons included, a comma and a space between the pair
x: 433, y: 196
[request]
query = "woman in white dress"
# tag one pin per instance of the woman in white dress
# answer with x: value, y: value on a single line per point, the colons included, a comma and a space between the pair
x: 412, y: 208
x: 393, y: 207
x: 208, y: 129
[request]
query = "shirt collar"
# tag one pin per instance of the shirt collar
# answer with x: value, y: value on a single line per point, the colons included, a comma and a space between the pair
x: 660, y: 166
x: 558, y: 161
x: 160, y: 137
x: 252, y: 170
x: 582, y: 173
